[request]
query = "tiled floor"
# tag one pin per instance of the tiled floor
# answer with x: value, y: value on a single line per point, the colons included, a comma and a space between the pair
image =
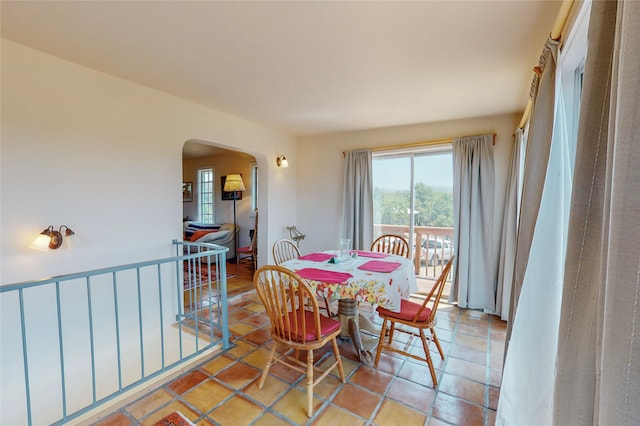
x: 223, y: 389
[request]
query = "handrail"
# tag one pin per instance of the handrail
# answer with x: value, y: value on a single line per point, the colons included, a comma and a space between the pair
x: 74, y: 342
x: 76, y: 275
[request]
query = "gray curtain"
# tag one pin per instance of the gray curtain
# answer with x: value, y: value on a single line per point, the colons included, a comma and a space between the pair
x: 598, y: 367
x: 535, y: 168
x: 473, y: 196
x: 509, y: 230
x: 357, y: 203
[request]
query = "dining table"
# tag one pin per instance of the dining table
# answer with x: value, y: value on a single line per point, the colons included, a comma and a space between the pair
x: 380, y: 279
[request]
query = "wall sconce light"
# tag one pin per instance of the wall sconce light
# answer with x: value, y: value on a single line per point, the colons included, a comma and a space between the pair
x: 51, y: 238
x: 281, y: 161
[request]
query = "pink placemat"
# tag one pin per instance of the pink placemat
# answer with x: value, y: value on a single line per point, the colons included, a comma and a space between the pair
x: 324, y: 276
x: 316, y: 257
x: 379, y: 266
x: 374, y: 254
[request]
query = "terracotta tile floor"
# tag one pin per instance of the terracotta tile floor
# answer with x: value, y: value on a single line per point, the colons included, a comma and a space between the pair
x: 222, y: 390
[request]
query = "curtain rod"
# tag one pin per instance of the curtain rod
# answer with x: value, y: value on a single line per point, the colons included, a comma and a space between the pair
x: 419, y: 144
x: 556, y: 32
x: 411, y: 145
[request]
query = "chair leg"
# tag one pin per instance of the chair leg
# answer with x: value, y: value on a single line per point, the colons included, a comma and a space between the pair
x: 434, y: 337
x: 383, y: 331
x: 336, y: 352
x: 327, y: 307
x: 392, y: 330
x: 265, y: 371
x: 432, y: 369
x: 309, y: 383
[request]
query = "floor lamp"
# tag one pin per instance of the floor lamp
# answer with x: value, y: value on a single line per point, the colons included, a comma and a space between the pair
x: 234, y: 183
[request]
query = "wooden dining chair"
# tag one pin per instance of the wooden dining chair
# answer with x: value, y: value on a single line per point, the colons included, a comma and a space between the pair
x: 249, y: 253
x: 283, y: 250
x: 415, y: 319
x: 392, y: 244
x: 286, y: 249
x: 296, y: 325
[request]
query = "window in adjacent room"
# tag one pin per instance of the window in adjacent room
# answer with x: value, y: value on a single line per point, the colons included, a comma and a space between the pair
x: 206, y: 195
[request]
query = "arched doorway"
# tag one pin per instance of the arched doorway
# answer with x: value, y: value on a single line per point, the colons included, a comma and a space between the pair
x: 204, y: 169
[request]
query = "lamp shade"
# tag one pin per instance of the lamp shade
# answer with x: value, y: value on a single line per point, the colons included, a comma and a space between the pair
x: 281, y: 161
x: 41, y: 242
x: 234, y: 183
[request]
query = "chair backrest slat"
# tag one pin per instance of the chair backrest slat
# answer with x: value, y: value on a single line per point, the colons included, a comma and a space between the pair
x: 392, y: 244
x: 284, y: 250
x: 435, y: 293
x: 286, y: 296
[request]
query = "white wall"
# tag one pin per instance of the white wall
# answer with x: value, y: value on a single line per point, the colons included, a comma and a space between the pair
x: 104, y: 156
x: 320, y: 172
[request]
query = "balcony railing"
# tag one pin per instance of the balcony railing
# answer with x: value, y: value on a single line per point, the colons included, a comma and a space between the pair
x: 74, y: 342
x: 432, y: 246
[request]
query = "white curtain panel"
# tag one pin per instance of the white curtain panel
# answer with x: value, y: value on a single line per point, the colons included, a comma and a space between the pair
x: 357, y: 203
x: 598, y: 369
x: 535, y: 168
x: 474, y: 267
x: 509, y: 229
x: 526, y: 392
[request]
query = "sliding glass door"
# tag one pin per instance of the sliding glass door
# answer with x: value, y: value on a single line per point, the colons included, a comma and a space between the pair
x: 412, y: 196
x: 392, y: 195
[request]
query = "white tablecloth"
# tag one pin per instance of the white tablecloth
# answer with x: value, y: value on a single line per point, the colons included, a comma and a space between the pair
x: 384, y: 289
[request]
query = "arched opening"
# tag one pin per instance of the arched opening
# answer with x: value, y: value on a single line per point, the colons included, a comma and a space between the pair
x: 204, y: 170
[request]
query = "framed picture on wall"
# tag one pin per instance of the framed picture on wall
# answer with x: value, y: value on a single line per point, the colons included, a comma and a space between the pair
x: 187, y: 191
x: 228, y: 195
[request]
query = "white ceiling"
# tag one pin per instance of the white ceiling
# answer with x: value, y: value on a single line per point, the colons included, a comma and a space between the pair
x: 305, y: 67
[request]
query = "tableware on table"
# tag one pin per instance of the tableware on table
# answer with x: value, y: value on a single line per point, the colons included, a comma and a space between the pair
x: 345, y: 249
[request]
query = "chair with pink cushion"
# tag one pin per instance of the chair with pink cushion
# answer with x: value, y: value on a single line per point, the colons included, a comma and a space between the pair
x: 414, y: 319
x: 296, y: 325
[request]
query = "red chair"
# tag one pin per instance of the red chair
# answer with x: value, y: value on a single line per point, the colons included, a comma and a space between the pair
x: 296, y: 325
x: 416, y: 318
